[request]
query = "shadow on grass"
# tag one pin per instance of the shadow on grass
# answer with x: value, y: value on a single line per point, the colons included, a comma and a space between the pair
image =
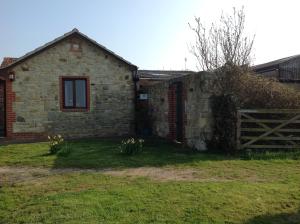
x: 95, y: 153
x: 282, y: 218
x: 105, y: 153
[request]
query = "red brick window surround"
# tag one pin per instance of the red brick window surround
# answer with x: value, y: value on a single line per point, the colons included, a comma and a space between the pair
x: 75, y: 93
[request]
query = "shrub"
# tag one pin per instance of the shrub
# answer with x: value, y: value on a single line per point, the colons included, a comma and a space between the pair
x: 254, y: 91
x: 237, y: 87
x: 131, y: 146
x: 55, y: 143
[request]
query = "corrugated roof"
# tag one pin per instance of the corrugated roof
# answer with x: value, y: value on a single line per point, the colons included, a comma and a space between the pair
x: 74, y: 31
x: 162, y: 74
x: 274, y: 63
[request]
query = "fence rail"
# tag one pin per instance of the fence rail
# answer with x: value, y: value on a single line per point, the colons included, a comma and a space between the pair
x: 268, y: 129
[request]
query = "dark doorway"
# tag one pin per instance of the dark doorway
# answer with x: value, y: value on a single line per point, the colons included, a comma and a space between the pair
x: 176, y: 112
x: 179, y: 112
x: 2, y: 108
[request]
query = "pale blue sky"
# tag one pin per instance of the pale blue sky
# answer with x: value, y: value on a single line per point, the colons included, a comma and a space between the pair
x: 152, y: 34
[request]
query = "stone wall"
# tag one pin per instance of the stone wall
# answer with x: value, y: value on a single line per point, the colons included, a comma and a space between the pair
x: 198, y: 118
x: 37, y: 92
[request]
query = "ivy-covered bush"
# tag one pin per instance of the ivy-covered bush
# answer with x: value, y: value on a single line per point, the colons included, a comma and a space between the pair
x: 224, y: 131
x: 131, y: 146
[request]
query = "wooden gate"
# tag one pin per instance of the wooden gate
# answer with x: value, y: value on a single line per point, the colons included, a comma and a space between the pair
x: 268, y: 129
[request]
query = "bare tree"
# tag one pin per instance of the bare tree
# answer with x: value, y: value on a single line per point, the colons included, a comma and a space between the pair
x: 222, y: 44
x: 223, y: 50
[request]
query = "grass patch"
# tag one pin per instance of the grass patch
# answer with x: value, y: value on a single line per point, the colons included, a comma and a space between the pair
x: 228, y: 189
x: 95, y: 198
x: 274, y: 154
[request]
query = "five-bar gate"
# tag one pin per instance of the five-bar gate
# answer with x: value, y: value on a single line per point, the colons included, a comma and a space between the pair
x: 268, y: 129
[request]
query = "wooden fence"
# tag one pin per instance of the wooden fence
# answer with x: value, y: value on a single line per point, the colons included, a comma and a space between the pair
x: 268, y: 129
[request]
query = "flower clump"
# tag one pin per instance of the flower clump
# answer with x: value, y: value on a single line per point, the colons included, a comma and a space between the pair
x: 131, y: 146
x: 55, y: 143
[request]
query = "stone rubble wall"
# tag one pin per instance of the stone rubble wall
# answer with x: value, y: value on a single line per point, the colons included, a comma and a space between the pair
x: 199, y: 121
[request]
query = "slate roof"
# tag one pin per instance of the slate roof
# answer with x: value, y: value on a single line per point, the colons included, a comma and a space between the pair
x: 58, y: 39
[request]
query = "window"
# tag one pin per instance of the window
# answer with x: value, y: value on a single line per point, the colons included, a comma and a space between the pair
x: 74, y: 93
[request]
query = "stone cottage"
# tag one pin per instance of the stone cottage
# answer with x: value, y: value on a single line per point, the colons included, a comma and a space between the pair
x: 71, y: 86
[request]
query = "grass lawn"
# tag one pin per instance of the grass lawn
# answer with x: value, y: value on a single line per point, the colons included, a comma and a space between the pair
x: 221, y: 190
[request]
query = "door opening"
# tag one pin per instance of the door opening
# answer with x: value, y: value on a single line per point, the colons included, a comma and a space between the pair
x: 176, y: 112
x: 2, y: 109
